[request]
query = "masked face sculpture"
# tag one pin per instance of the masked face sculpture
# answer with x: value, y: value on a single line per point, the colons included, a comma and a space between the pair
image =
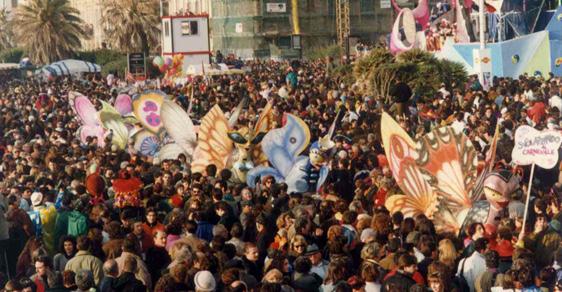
x: 247, y: 151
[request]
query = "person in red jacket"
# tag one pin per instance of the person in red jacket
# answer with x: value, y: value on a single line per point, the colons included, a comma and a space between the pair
x: 152, y: 225
x: 537, y: 111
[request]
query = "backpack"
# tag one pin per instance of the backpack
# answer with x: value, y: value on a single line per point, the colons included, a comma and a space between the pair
x: 77, y: 224
x: 460, y: 281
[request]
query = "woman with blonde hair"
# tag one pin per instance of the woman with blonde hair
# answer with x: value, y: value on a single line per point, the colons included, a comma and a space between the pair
x: 297, y: 247
x: 448, y: 253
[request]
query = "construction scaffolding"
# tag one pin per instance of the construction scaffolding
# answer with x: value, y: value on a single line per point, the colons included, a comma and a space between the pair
x: 342, y: 22
x: 279, y: 28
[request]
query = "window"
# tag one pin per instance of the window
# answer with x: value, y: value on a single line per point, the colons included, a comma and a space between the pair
x: 367, y: 6
x: 166, y: 28
x: 284, y: 42
x: 189, y: 28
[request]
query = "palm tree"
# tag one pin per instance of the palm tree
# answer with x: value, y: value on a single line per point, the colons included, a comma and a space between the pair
x: 6, y: 34
x: 132, y: 25
x: 48, y: 30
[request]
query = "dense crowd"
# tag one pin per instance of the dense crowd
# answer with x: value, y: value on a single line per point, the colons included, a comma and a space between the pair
x: 201, y: 232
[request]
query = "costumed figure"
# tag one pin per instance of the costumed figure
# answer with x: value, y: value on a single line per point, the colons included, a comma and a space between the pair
x: 118, y: 120
x: 497, y: 188
x: 167, y: 129
x: 89, y: 118
x: 438, y: 176
x: 115, y: 121
x: 282, y: 147
x: 127, y: 191
x: 95, y: 185
x: 237, y: 150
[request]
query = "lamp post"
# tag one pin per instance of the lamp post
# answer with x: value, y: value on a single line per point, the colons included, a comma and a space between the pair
x: 482, y: 60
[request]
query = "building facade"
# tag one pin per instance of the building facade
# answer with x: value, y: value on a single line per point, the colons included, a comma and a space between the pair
x: 266, y: 28
x: 182, y: 7
x: 91, y: 13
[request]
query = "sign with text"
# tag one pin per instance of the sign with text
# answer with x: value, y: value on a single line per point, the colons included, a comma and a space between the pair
x: 276, y: 7
x: 136, y: 63
x: 536, y: 147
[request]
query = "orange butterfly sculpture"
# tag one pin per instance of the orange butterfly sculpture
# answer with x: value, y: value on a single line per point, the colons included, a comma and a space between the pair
x: 436, y: 174
x: 224, y: 147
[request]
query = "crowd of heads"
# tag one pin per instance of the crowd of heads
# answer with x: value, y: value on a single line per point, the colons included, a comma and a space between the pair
x: 202, y: 232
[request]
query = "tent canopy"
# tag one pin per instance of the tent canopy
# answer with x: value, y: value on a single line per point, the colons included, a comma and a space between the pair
x: 8, y: 66
x: 69, y: 67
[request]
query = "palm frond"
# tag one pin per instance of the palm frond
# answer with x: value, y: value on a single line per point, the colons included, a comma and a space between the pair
x: 48, y: 30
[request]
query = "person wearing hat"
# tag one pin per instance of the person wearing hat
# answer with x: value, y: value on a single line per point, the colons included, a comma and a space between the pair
x: 319, y: 265
x: 204, y: 282
x: 44, y: 216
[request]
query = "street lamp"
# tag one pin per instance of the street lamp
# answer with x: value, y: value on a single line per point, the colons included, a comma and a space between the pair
x: 482, y: 59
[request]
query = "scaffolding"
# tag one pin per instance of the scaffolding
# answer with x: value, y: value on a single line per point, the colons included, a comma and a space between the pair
x: 267, y: 28
x: 343, y: 28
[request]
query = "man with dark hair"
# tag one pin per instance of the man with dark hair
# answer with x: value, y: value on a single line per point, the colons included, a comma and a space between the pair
x: 402, y: 280
x: 157, y: 257
x: 474, y: 265
x: 84, y: 260
x: 127, y: 281
x: 44, y: 271
x: 402, y: 94
x: 211, y: 172
x: 303, y: 279
x: 251, y: 260
x: 131, y: 248
x: 486, y: 280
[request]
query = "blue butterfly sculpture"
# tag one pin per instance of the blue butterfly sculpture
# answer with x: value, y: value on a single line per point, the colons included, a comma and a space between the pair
x: 283, y: 147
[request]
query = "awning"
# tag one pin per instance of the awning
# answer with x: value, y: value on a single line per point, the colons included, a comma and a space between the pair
x: 69, y: 67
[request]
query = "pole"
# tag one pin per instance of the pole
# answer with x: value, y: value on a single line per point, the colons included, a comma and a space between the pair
x: 482, y: 23
x: 500, y: 30
x: 527, y: 201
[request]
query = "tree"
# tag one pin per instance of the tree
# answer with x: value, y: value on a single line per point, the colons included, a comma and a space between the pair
x: 48, y: 30
x: 6, y: 35
x: 132, y: 25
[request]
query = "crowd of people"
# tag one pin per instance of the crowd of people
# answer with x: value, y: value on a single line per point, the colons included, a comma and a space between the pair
x: 202, y: 232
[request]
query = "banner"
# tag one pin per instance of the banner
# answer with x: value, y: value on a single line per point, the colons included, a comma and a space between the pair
x: 533, y: 146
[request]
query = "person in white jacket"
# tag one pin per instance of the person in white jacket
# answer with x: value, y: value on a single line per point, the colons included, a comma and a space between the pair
x: 472, y: 266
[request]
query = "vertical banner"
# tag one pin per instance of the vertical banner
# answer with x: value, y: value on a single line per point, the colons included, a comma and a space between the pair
x: 482, y: 59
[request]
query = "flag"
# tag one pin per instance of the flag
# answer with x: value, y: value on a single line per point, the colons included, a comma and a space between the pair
x: 491, y: 154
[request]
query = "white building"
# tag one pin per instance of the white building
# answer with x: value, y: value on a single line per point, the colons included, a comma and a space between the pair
x: 187, y: 36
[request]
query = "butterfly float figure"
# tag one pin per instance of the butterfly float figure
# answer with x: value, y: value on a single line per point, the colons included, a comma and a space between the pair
x: 283, y: 147
x: 439, y: 178
x: 435, y: 173
x: 221, y: 145
x: 167, y: 131
x: 89, y: 118
x: 118, y: 119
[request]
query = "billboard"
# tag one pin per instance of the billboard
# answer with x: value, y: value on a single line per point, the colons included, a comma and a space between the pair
x: 136, y: 63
